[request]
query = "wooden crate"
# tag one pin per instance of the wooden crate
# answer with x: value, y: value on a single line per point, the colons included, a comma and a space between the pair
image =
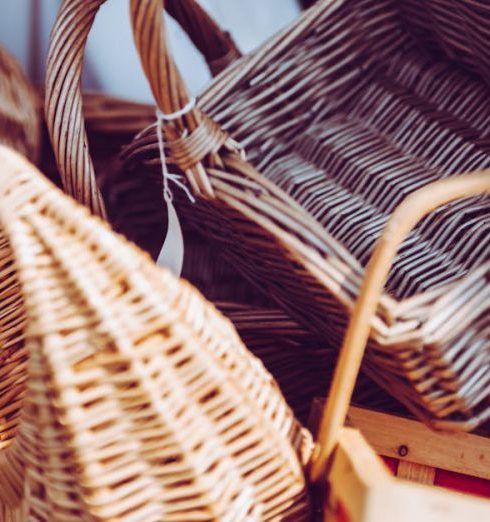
x: 364, y: 488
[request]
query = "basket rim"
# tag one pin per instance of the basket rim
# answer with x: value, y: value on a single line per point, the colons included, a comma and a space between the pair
x: 391, y: 310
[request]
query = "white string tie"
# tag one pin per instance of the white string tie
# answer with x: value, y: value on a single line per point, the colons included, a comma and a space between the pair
x: 172, y: 252
x: 167, y: 176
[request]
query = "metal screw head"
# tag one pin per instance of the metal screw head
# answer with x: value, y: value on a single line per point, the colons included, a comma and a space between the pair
x: 403, y: 450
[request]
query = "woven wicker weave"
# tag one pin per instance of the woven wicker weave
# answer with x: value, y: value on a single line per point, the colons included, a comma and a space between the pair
x: 141, y: 402
x: 108, y: 115
x: 301, y: 363
x: 134, y: 202
x: 343, y: 114
x: 19, y: 116
x: 405, y: 217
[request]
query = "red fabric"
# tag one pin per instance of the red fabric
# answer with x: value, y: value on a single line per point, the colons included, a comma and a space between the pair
x: 450, y: 480
x: 463, y: 483
x: 391, y: 463
x: 341, y: 514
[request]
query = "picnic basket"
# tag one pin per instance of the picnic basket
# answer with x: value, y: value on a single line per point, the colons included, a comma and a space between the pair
x: 20, y: 125
x: 341, y: 115
x: 138, y: 399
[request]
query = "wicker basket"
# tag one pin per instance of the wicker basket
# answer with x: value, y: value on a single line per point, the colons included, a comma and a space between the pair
x: 342, y: 114
x: 360, y: 489
x: 20, y: 125
x: 133, y: 203
x: 141, y: 402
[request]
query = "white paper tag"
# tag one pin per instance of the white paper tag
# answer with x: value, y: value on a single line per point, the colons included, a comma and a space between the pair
x: 172, y: 253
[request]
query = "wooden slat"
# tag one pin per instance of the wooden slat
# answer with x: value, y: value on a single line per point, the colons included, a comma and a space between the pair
x: 412, y: 441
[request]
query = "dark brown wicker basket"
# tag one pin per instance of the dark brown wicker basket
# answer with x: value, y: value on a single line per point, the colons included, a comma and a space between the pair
x: 343, y: 114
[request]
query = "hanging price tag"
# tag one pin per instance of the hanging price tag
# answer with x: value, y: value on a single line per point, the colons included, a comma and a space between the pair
x: 172, y: 253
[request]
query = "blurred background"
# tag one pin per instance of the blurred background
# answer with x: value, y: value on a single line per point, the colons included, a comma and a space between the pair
x: 111, y: 64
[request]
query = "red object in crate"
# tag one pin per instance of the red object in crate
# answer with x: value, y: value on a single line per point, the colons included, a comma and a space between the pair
x: 409, y: 450
x: 451, y: 480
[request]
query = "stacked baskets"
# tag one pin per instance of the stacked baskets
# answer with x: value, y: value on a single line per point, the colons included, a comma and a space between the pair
x: 326, y: 170
x: 342, y: 115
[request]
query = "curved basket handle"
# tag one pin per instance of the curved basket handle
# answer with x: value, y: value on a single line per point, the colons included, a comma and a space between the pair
x: 190, y: 137
x: 216, y: 45
x: 402, y: 221
x: 63, y: 101
x: 63, y: 105
x: 165, y: 81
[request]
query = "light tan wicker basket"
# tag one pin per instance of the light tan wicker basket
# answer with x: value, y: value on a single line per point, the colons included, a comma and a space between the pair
x: 20, y: 125
x: 141, y: 402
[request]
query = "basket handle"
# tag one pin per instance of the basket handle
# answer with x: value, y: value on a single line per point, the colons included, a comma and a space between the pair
x: 216, y: 45
x: 190, y: 135
x: 402, y: 221
x: 166, y: 83
x: 63, y: 100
